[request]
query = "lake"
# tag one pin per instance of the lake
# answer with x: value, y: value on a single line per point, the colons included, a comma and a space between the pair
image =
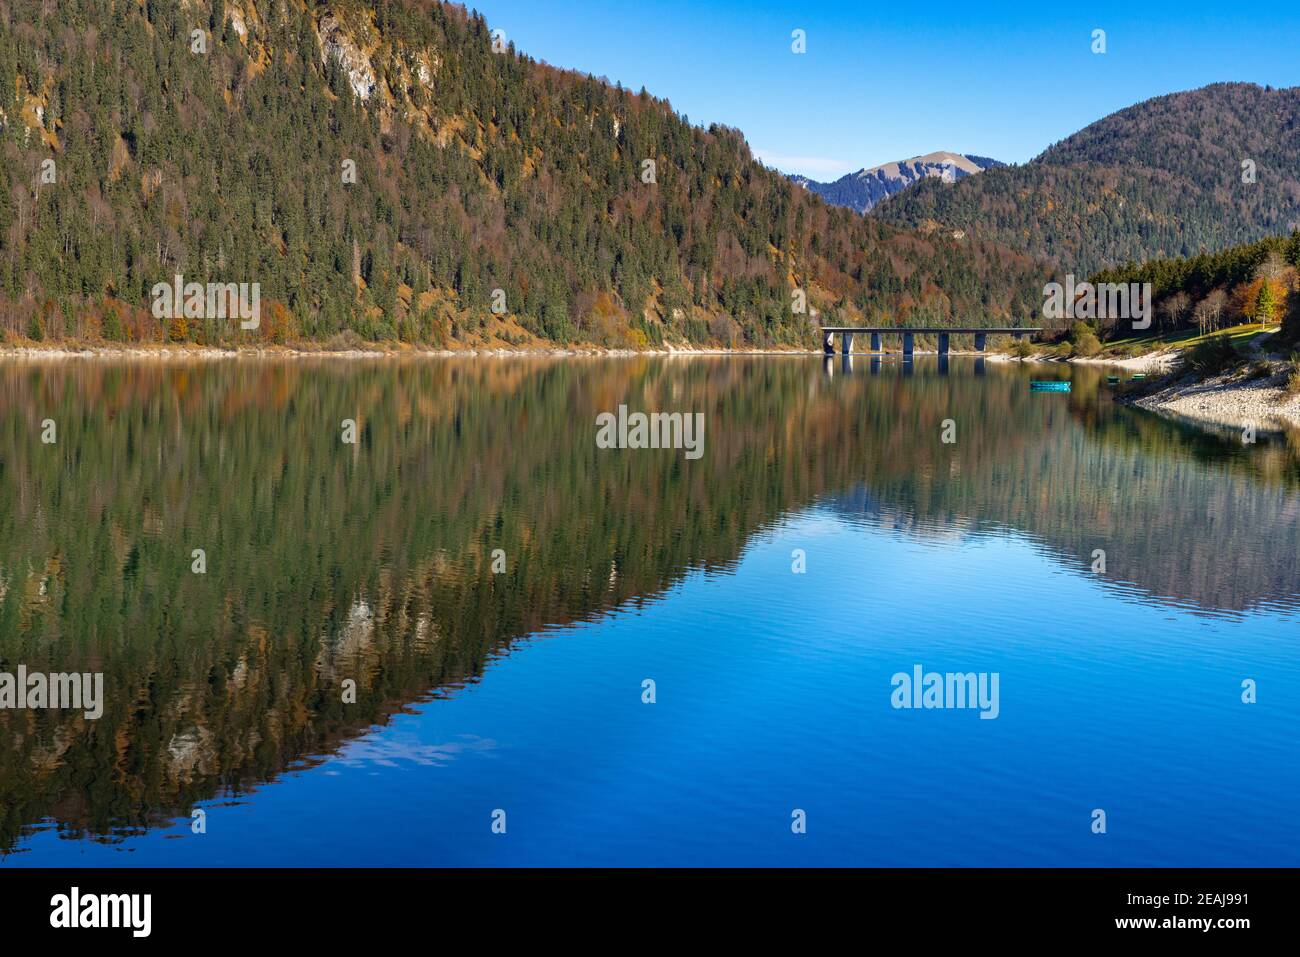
x: 473, y: 637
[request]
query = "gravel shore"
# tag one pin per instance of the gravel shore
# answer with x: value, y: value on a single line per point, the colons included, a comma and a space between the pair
x: 1231, y: 400
x: 1151, y: 362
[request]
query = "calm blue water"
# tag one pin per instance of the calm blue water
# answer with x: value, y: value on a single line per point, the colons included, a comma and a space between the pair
x: 773, y: 694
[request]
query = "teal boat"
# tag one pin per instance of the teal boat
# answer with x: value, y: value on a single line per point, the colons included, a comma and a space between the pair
x: 1048, y: 385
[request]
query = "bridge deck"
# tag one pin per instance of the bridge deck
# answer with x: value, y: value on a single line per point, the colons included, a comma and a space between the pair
x: 909, y: 334
x: 932, y: 330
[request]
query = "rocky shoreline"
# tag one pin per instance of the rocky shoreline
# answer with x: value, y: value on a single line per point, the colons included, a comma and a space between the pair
x: 191, y: 353
x: 1251, y: 394
x: 1232, y: 399
x: 380, y: 351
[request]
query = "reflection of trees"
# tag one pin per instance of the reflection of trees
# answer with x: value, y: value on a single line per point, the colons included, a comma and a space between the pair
x: 327, y: 561
x: 1184, y: 514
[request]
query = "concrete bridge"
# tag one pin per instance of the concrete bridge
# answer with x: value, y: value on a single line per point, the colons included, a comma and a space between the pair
x: 846, y: 334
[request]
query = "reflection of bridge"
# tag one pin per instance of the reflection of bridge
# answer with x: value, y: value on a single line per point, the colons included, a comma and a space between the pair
x: 907, y: 366
x: 846, y: 336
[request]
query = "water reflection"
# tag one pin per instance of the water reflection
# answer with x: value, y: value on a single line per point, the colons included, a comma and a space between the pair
x: 372, y: 562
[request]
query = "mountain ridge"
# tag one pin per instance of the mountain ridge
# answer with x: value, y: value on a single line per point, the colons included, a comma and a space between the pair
x: 1163, y: 178
x: 863, y: 190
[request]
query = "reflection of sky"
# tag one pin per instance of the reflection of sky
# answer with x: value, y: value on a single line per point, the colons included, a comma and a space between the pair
x: 773, y: 694
x: 388, y: 751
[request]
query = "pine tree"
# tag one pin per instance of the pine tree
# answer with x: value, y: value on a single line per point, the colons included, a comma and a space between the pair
x: 1265, y: 305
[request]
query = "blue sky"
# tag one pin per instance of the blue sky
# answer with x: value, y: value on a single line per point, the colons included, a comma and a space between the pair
x: 882, y: 81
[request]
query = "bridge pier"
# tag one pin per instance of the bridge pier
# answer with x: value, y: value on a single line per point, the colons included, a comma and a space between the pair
x: 944, y: 335
x: 846, y: 364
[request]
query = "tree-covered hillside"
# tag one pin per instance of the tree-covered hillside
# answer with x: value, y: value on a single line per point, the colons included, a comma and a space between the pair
x: 1172, y: 176
x: 1255, y: 282
x: 142, y: 139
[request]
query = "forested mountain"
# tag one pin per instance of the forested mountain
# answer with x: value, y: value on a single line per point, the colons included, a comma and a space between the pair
x: 1173, y: 176
x: 862, y: 190
x: 143, y: 139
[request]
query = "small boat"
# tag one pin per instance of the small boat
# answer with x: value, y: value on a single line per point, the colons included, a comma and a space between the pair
x: 1138, y: 375
x: 1049, y: 385
x: 1112, y: 380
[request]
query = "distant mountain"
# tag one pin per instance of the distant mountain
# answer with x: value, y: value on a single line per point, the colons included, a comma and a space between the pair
x: 862, y: 190
x: 1174, y: 176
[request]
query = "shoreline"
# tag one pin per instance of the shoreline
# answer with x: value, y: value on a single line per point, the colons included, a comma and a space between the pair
x: 1218, y: 401
x: 1225, y: 401
x: 1151, y: 362
x: 1230, y: 400
x: 214, y: 353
